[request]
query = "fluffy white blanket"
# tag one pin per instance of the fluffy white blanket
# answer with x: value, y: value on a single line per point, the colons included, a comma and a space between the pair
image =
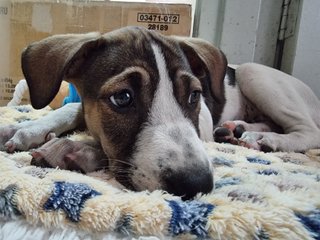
x: 256, y: 196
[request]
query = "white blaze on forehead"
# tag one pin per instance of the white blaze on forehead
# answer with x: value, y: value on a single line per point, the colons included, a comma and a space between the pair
x: 165, y: 107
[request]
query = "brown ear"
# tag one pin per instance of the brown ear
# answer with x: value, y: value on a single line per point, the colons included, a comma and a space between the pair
x: 47, y: 62
x: 205, y: 59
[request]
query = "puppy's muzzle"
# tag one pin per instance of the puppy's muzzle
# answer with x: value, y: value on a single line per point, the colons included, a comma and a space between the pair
x: 172, y: 157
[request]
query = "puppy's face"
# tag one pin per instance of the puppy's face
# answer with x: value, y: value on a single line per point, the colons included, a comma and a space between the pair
x: 142, y: 100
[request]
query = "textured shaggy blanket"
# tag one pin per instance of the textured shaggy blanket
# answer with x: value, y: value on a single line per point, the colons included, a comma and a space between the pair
x: 256, y: 196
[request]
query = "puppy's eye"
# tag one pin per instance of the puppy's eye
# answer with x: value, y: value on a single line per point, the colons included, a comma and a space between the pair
x: 122, y: 99
x: 194, y: 97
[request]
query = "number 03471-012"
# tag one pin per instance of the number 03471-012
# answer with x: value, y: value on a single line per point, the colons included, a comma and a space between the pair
x: 158, y: 18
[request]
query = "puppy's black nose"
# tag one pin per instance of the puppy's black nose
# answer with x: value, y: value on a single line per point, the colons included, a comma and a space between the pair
x: 188, y: 183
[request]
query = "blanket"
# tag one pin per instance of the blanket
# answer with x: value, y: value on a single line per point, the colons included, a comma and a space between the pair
x: 257, y: 196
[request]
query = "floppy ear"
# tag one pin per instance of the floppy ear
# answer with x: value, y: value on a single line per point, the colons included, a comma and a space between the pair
x: 47, y: 62
x: 208, y: 63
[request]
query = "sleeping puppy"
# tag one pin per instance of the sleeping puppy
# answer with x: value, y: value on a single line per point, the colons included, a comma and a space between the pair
x: 148, y: 99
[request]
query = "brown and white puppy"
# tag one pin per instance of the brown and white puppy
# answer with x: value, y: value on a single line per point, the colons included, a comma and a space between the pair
x: 142, y: 94
x: 148, y: 99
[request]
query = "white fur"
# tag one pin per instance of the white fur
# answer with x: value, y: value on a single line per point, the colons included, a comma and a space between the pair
x: 234, y: 107
x: 165, y: 107
x: 205, y: 123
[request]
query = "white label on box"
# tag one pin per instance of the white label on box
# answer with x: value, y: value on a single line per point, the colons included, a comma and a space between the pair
x: 41, y: 18
x: 173, y: 21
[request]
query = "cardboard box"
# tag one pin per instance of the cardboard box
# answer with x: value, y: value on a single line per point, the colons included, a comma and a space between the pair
x: 26, y: 21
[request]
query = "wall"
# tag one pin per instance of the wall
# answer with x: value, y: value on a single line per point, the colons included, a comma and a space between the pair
x: 245, y: 30
x: 305, y: 64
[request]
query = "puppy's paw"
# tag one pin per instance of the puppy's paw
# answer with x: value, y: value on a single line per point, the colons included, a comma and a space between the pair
x: 6, y: 133
x: 23, y: 137
x: 258, y: 141
x: 67, y: 162
x: 229, y: 132
x: 222, y: 135
x: 69, y: 155
x: 266, y: 145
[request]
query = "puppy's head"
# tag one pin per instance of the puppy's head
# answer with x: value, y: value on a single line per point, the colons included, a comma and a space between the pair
x: 146, y: 97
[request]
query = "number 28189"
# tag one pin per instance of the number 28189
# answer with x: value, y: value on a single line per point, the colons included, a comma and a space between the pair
x: 159, y: 27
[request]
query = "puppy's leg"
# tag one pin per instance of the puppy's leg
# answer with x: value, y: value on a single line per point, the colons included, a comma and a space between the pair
x: 288, y: 102
x: 30, y: 134
x: 83, y: 156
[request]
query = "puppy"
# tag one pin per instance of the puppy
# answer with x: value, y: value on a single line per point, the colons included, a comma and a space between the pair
x: 148, y: 99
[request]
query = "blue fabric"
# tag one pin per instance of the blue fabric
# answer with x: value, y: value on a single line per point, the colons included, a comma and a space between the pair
x: 258, y: 160
x: 218, y: 161
x: 262, y: 235
x: 23, y: 109
x: 124, y: 225
x: 312, y: 222
x: 70, y: 197
x: 227, y: 181
x: 8, y: 208
x: 268, y: 172
x: 73, y: 95
x: 189, y: 217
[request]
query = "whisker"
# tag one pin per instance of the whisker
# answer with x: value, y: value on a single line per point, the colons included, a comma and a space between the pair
x: 119, y: 161
x: 122, y: 171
